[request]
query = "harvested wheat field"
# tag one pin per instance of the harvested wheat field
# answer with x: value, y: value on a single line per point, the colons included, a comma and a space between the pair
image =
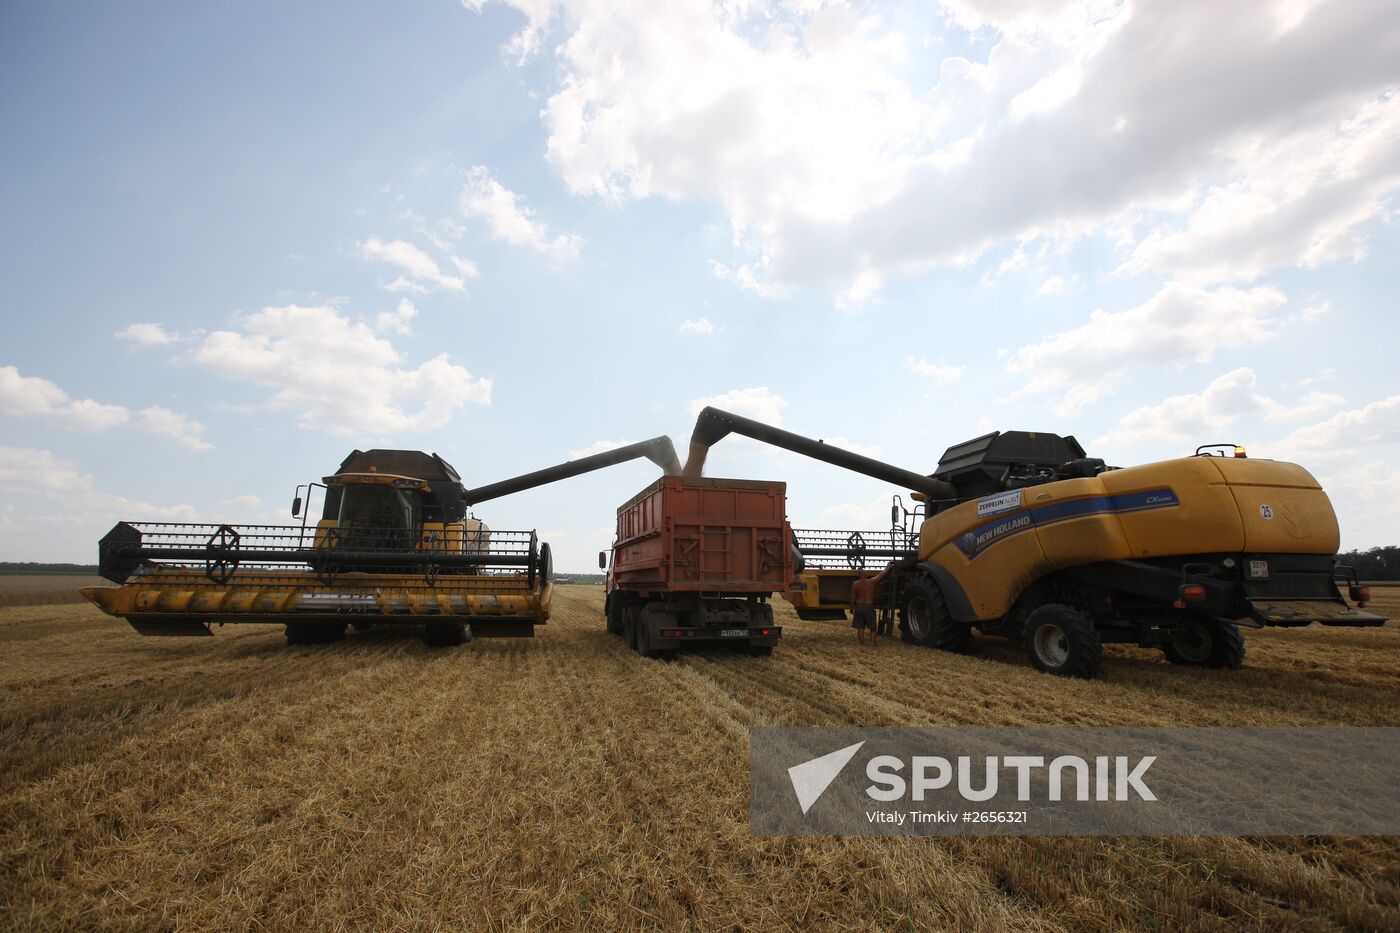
x: 564, y: 781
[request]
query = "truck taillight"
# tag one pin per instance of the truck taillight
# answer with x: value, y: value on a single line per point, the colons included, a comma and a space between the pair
x: 670, y: 633
x: 1193, y: 593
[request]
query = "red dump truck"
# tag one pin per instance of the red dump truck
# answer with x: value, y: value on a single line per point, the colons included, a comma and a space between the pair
x: 695, y: 561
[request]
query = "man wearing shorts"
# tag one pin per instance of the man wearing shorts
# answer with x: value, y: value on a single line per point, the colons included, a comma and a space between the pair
x: 863, y: 603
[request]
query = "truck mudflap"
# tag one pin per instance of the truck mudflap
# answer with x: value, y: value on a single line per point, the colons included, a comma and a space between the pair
x: 1291, y: 612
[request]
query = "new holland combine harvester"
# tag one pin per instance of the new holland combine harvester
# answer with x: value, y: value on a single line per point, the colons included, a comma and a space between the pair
x: 394, y: 545
x: 1021, y: 535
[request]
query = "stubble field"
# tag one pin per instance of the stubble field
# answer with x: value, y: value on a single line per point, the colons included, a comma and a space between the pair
x: 564, y: 781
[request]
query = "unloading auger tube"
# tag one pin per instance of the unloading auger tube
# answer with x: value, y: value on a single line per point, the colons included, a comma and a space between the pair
x: 715, y: 424
x: 659, y: 450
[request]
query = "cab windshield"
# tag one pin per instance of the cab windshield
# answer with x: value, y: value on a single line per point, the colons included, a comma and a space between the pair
x: 393, y: 514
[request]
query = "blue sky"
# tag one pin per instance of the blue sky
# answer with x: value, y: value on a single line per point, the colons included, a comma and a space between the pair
x: 240, y: 240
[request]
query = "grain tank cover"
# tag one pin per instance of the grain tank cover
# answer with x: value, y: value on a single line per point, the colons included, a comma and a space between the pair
x: 1008, y: 459
x: 412, y: 463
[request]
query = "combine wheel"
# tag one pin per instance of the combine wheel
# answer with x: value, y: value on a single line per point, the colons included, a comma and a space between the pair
x: 1206, y: 642
x: 446, y: 634
x: 1061, y: 640
x: 925, y: 619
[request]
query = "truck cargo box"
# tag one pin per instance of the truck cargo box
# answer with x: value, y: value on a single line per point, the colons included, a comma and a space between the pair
x: 705, y: 536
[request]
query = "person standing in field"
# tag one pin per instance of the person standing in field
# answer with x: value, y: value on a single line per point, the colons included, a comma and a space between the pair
x: 863, y: 603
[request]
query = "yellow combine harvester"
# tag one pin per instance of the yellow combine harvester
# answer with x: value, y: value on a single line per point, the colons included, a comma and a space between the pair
x: 395, y: 545
x: 1021, y: 535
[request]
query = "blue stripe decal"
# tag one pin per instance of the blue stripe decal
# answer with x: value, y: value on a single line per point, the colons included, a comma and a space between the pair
x: 979, y: 539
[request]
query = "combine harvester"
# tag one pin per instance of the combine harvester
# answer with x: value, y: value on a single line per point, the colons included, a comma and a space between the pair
x: 1020, y: 535
x: 395, y: 545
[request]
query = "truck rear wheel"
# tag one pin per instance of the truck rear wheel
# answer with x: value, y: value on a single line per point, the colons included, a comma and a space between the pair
x: 1205, y: 642
x: 1061, y: 640
x: 648, y: 615
x: 925, y: 620
x: 629, y: 625
x: 614, y: 613
x: 446, y: 634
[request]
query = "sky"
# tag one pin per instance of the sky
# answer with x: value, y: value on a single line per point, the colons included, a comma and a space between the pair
x: 239, y: 240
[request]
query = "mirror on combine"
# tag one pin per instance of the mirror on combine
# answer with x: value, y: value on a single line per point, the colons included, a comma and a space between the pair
x: 296, y: 506
x: 895, y: 516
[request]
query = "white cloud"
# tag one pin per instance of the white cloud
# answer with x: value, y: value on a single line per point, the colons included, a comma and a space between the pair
x: 1375, y: 423
x: 698, y: 326
x: 147, y: 335
x: 1232, y: 402
x: 838, y: 168
x: 598, y: 447
x: 62, y: 505
x: 42, y: 470
x: 1177, y: 326
x: 512, y: 222
x: 420, y: 270
x: 1304, y: 198
x: 1055, y: 285
x: 31, y: 395
x: 397, y: 321
x: 527, y: 40
x: 757, y: 403
x: 873, y: 515
x: 1199, y: 417
x: 941, y: 373
x: 338, y: 375
x: 186, y: 431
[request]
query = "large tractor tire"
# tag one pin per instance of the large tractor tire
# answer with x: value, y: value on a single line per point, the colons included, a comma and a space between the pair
x: 446, y: 634
x: 925, y: 620
x: 1206, y: 642
x: 1062, y: 640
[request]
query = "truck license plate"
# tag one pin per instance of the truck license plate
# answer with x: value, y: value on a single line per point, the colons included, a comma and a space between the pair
x: 733, y: 633
x: 1258, y: 570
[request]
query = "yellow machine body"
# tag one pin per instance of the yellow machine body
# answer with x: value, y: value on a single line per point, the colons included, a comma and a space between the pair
x: 994, y: 547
